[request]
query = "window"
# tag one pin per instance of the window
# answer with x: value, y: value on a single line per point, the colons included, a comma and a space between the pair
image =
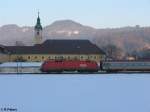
x: 76, y: 58
x: 68, y: 57
x: 38, y: 33
x: 42, y: 57
x: 29, y: 57
x: 55, y: 57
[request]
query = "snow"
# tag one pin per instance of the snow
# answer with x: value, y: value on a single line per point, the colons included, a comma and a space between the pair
x: 21, y: 64
x: 25, y: 30
x: 76, y: 93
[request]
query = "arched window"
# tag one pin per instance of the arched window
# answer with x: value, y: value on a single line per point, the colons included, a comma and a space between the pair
x: 38, y: 33
x: 29, y: 57
x: 68, y: 57
x: 42, y: 57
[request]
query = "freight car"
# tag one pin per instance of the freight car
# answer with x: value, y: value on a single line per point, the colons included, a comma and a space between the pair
x: 69, y: 65
x: 117, y: 66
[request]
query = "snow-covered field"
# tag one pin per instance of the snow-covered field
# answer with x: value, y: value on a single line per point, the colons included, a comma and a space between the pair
x: 76, y: 93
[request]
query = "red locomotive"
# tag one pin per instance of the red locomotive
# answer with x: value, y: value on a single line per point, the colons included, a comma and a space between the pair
x: 69, y: 65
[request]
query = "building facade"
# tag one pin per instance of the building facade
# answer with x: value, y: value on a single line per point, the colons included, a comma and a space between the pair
x: 56, y: 50
x: 51, y: 50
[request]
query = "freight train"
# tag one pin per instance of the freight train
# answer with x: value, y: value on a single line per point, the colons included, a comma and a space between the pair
x: 91, y: 66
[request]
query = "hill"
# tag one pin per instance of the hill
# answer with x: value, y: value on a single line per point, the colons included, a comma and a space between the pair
x: 127, y: 38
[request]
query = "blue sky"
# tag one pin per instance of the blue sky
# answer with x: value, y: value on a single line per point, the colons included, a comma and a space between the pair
x: 79, y: 93
x: 96, y: 13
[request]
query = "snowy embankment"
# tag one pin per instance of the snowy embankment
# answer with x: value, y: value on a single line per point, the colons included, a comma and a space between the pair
x: 20, y: 67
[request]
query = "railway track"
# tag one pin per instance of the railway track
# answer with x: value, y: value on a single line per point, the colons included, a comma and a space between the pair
x: 76, y: 73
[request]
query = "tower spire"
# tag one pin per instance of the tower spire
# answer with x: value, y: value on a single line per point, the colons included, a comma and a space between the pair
x: 38, y: 25
x: 38, y: 30
x: 38, y: 14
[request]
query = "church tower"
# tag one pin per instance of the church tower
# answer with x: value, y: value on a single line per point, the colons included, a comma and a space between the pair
x: 38, y: 31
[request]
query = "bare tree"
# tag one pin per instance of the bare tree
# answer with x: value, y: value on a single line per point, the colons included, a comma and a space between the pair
x: 113, y: 52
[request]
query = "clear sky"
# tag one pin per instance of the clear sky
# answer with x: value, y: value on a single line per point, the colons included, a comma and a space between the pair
x: 68, y: 93
x: 96, y: 13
